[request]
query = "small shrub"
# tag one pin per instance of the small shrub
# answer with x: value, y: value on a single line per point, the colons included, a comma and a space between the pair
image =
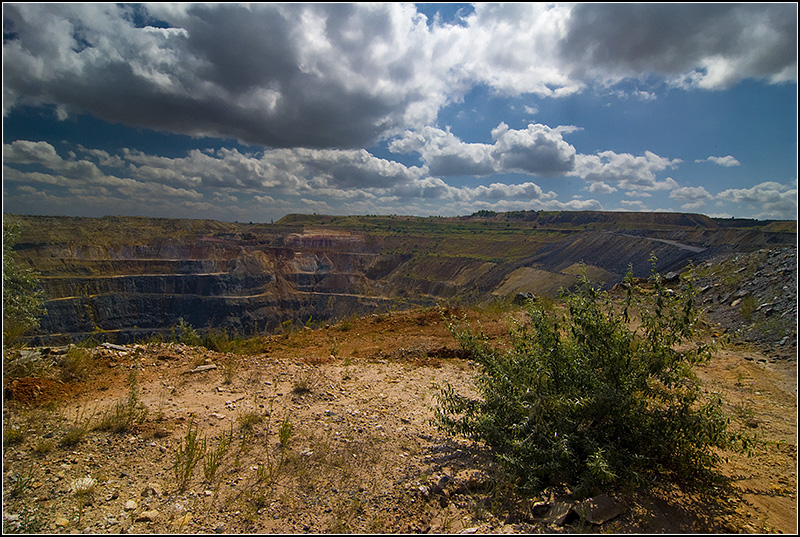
x: 187, y: 335
x: 73, y: 435
x: 217, y: 341
x: 304, y: 383
x: 23, y: 296
x: 583, y: 399
x: 77, y: 430
x: 43, y: 446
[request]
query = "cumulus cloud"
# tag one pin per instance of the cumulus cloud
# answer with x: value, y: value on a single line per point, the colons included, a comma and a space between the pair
x: 727, y: 161
x: 628, y: 171
x: 347, y: 75
x: 281, y: 75
x: 444, y: 154
x: 694, y: 197
x: 601, y: 188
x: 236, y: 184
x: 537, y: 150
x: 710, y: 46
x: 768, y: 199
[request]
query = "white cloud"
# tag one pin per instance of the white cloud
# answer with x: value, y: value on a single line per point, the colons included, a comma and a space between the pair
x: 637, y: 205
x: 26, y: 152
x: 537, y: 150
x: 768, y: 200
x: 627, y: 171
x: 690, y: 193
x: 444, y: 154
x: 727, y: 161
x: 601, y: 188
x: 694, y: 197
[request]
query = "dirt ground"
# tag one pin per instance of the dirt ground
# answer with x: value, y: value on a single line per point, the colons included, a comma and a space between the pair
x: 328, y: 430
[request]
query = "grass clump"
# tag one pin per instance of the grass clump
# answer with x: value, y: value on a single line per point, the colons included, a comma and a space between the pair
x: 126, y: 413
x: 190, y: 452
x: 583, y: 398
x: 76, y: 364
x: 215, y: 455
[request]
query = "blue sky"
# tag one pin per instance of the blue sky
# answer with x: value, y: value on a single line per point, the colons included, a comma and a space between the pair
x: 249, y: 112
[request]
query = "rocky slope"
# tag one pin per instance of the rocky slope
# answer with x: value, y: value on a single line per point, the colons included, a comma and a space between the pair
x: 133, y: 277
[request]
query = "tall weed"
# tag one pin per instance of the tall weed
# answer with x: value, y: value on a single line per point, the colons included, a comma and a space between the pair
x: 188, y: 455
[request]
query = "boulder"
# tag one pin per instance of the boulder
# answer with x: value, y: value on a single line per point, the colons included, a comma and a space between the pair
x: 599, y: 509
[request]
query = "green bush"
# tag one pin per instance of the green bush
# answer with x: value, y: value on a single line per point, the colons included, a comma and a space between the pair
x: 594, y: 395
x: 23, y: 298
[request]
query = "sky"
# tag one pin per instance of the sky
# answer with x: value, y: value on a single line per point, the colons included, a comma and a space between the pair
x: 248, y: 112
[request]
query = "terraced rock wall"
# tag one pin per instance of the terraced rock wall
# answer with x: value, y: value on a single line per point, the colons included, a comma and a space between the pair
x: 131, y: 277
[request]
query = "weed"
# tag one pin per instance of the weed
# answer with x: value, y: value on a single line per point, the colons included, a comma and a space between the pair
x: 21, y: 481
x: 77, y: 429
x: 334, y: 348
x: 747, y: 307
x: 287, y: 326
x: 13, y: 435
x: 83, y: 487
x: 76, y: 364
x: 188, y: 455
x: 126, y: 413
x: 229, y: 370
x: 43, y: 446
x: 305, y: 382
x: 249, y: 419
x: 73, y: 435
x: 213, y: 457
x: 285, y: 432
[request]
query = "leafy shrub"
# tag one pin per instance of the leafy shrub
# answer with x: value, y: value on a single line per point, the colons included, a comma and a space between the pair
x: 594, y: 395
x: 186, y: 334
x: 23, y: 298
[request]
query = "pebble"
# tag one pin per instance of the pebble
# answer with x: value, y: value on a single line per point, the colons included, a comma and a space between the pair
x: 147, y: 516
x: 152, y: 489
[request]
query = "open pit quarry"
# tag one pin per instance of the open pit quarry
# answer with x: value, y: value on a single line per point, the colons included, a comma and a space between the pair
x: 132, y: 277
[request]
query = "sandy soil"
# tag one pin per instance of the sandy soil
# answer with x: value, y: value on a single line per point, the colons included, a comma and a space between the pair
x: 361, y: 455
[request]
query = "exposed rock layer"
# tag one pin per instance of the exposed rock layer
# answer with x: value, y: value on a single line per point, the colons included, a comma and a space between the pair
x: 137, y: 276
